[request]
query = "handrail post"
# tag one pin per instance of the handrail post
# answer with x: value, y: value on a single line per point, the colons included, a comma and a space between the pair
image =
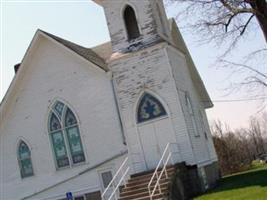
x: 156, y: 175
x: 165, y: 169
x: 171, y: 156
x: 112, y: 183
x: 116, y: 195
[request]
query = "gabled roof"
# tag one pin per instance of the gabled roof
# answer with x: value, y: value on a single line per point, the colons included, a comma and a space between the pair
x: 86, y: 53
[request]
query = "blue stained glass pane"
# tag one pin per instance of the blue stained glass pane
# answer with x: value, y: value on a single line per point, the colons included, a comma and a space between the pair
x: 75, y: 144
x: 58, y: 107
x: 149, y: 108
x: 70, y: 119
x: 54, y: 123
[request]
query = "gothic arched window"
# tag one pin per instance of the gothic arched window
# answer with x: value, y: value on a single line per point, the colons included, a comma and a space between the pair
x: 149, y: 108
x: 24, y: 159
x: 131, y: 23
x: 65, y: 136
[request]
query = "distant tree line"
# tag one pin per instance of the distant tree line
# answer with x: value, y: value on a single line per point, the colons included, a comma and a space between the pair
x: 236, y: 149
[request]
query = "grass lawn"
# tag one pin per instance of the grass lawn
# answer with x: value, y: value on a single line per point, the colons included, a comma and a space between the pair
x: 248, y: 185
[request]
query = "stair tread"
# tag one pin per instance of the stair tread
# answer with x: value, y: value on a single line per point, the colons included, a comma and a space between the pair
x: 148, y: 178
x: 150, y: 172
x: 141, y: 198
x: 136, y: 187
x: 141, y: 190
x: 169, y: 170
x: 145, y: 184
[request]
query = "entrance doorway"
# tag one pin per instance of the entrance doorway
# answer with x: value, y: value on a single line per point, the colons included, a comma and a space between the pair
x: 155, y: 129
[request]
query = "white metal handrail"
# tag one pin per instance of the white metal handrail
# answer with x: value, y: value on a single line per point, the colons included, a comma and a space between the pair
x: 119, y: 183
x: 167, y: 152
x: 112, y: 182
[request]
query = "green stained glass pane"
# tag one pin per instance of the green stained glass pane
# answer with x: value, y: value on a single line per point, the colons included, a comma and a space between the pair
x: 75, y: 144
x: 60, y: 149
x: 54, y: 123
x: 26, y: 168
x: 58, y: 107
x: 24, y: 157
x: 70, y: 119
x: 24, y: 151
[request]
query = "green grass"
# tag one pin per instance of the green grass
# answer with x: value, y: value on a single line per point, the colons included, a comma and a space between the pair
x: 248, y: 185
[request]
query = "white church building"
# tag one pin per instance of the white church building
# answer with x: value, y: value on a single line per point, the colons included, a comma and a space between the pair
x: 75, y: 120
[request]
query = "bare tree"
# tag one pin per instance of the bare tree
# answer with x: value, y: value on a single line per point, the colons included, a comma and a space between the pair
x: 237, y: 149
x: 221, y: 19
x: 227, y: 22
x: 256, y: 135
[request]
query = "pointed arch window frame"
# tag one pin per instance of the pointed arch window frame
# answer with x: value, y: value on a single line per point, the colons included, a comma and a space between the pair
x: 162, y: 112
x: 65, y: 134
x: 26, y: 160
x: 191, y: 112
x: 125, y: 23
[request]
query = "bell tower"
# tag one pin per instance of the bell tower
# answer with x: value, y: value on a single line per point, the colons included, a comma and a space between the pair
x: 135, y: 24
x: 144, y: 84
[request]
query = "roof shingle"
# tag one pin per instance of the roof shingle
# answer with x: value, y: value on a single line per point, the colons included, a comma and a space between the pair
x: 86, y: 53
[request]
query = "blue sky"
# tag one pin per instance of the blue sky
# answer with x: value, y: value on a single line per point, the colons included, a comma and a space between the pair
x: 83, y: 22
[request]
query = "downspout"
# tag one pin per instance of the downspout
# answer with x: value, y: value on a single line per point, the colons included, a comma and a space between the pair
x: 118, y: 109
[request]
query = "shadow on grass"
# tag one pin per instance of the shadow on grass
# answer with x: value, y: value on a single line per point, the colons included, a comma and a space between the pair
x: 242, y: 180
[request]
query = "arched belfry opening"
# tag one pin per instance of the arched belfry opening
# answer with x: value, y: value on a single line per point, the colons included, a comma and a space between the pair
x: 131, y: 23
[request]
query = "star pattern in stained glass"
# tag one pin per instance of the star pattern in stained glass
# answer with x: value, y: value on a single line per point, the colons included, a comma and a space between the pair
x: 149, y: 108
x: 58, y: 107
x: 70, y: 118
x: 54, y: 123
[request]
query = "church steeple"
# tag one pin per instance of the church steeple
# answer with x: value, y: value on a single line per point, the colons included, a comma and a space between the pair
x: 135, y: 24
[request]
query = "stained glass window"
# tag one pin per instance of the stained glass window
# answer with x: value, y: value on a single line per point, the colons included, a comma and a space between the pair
x: 149, y: 108
x: 24, y: 158
x: 65, y: 136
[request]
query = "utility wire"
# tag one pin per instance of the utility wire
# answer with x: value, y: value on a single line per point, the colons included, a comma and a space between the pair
x: 237, y: 100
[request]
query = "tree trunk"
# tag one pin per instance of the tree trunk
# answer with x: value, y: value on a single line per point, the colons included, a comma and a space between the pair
x: 260, y: 6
